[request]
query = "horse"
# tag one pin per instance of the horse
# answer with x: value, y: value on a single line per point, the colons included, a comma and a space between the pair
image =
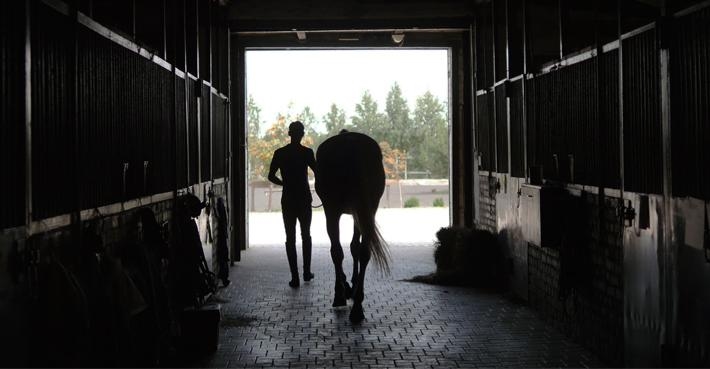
x: 350, y: 179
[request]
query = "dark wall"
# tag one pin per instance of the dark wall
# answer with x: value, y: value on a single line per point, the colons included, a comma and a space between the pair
x: 12, y: 113
x: 113, y: 129
x: 111, y: 122
x: 591, y: 115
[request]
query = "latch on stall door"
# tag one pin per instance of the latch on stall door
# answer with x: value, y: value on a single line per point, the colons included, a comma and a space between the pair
x: 629, y: 214
x: 145, y: 176
x: 125, y: 172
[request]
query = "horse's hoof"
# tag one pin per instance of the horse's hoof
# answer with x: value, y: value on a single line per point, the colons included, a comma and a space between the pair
x: 339, y: 301
x: 356, y: 314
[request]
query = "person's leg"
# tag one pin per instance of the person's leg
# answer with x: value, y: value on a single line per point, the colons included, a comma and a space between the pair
x: 289, y: 217
x: 304, y: 219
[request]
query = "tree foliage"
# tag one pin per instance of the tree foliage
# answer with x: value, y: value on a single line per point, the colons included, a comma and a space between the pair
x: 393, y: 160
x: 368, y: 119
x: 431, y: 123
x: 334, y: 120
x: 410, y: 140
x: 253, y: 117
x: 398, y: 128
x: 261, y: 151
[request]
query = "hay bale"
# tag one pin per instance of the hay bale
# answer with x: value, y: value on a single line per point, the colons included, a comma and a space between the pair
x: 470, y: 257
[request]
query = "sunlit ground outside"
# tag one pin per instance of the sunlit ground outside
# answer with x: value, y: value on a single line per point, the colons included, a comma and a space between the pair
x: 399, y: 226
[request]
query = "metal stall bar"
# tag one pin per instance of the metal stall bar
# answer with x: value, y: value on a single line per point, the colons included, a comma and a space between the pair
x: 523, y: 84
x: 669, y: 272
x: 621, y: 97
x: 29, y: 5
x: 473, y: 70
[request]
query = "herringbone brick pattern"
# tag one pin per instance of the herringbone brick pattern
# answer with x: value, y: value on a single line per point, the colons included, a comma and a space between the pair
x: 267, y: 324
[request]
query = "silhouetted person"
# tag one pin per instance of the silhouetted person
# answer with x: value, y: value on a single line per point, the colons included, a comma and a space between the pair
x: 293, y: 161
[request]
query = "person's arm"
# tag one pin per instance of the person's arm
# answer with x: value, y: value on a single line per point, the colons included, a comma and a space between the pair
x: 272, y: 170
x: 312, y: 161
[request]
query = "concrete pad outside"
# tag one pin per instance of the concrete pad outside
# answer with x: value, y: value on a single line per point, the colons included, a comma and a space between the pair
x: 411, y: 226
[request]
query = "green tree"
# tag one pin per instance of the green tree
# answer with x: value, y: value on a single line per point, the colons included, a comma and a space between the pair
x: 431, y: 123
x: 368, y: 119
x: 334, y: 120
x: 255, y: 164
x: 308, y: 119
x: 399, y: 131
x: 253, y: 117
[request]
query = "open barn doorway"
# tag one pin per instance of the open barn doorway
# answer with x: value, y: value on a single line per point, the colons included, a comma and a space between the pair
x: 400, y: 97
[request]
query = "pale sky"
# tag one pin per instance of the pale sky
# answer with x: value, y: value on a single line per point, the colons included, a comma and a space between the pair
x: 318, y: 78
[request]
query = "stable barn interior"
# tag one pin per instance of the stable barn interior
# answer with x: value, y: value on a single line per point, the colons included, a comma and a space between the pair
x: 578, y: 136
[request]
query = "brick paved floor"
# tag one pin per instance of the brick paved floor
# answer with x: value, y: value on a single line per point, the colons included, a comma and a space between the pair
x: 267, y: 324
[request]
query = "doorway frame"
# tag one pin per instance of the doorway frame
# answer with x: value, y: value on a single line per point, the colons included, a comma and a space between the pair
x: 462, y: 168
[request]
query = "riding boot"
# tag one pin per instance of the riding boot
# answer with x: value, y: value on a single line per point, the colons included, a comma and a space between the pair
x: 292, y: 263
x: 307, y: 248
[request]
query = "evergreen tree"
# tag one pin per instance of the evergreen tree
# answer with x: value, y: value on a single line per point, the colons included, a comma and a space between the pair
x: 431, y: 122
x: 253, y: 126
x: 334, y: 120
x: 253, y: 117
x: 399, y: 132
x: 308, y: 119
x: 367, y: 119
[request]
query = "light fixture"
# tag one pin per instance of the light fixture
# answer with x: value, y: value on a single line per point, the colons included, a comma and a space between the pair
x: 301, y: 35
x: 397, y: 37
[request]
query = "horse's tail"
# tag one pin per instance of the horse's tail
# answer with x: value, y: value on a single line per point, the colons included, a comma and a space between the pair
x: 364, y: 217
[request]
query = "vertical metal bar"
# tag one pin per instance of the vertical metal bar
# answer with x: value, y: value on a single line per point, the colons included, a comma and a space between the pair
x: 187, y: 86
x: 670, y: 271
x: 559, y: 27
x: 458, y: 183
x: 621, y: 97
x: 241, y: 135
x: 493, y: 120
x: 74, y: 117
x: 197, y: 39
x: 601, y: 119
x: 507, y: 87
x: 133, y: 19
x: 198, y: 87
x: 165, y: 36
x: 228, y: 116
x: 198, y: 127
x: 523, y: 85
x: 237, y: 194
x: 28, y: 111
x: 211, y: 77
x: 472, y: 31
x: 493, y: 39
x: 210, y: 42
x: 175, y: 103
x: 507, y: 42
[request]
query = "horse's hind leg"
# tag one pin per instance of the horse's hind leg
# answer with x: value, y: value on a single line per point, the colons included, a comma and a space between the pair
x: 356, y: 313
x: 336, y: 253
x: 355, y: 251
